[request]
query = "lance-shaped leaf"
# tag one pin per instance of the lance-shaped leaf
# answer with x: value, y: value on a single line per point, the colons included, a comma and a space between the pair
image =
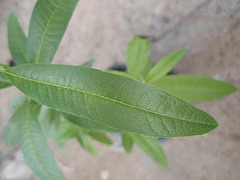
x: 194, y: 88
x: 100, y: 137
x: 152, y: 147
x: 165, y: 65
x: 34, y: 145
x: 4, y: 82
x: 48, y: 23
x: 110, y: 99
x: 127, y: 142
x: 87, y: 143
x: 17, y: 40
x: 137, y: 56
x: 89, y: 63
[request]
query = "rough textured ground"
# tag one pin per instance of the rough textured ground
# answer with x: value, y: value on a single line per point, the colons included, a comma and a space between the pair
x: 208, y: 29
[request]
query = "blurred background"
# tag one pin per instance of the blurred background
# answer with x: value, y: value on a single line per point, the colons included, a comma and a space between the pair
x: 101, y: 29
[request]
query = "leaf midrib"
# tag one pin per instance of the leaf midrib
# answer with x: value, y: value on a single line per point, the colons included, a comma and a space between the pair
x: 89, y: 93
x: 45, y: 31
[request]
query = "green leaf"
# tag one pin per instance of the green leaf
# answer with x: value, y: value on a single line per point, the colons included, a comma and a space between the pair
x: 147, y: 68
x: 127, y: 142
x: 194, y: 88
x: 48, y: 23
x: 89, y: 63
x: 34, y: 146
x: 50, y: 119
x: 101, y: 137
x: 17, y: 40
x: 17, y: 103
x: 120, y: 73
x: 88, y: 124
x: 165, y: 65
x: 137, y: 56
x: 4, y: 82
x: 151, y: 147
x: 110, y: 99
x: 87, y: 143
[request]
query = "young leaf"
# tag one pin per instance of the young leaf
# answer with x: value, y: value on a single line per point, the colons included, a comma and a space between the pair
x: 120, y: 73
x: 88, y: 63
x: 152, y: 147
x: 87, y: 143
x: 48, y: 23
x: 194, y: 88
x: 17, y: 40
x: 50, y: 119
x: 91, y: 125
x: 147, y: 68
x: 137, y: 56
x: 110, y: 99
x: 34, y: 146
x: 4, y: 82
x: 165, y: 65
x: 101, y: 137
x: 127, y: 142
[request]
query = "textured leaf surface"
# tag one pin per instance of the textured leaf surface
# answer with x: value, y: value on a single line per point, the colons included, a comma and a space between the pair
x: 194, y: 88
x: 4, y: 82
x: 127, y: 142
x: 137, y: 56
x: 110, y: 99
x: 48, y: 23
x: 17, y: 40
x: 152, y: 147
x: 88, y: 124
x: 35, y: 148
x: 165, y: 65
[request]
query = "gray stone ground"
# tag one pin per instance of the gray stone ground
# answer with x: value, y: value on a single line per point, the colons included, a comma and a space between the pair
x: 208, y: 29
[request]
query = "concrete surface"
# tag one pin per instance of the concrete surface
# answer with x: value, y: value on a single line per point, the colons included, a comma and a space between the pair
x: 208, y: 29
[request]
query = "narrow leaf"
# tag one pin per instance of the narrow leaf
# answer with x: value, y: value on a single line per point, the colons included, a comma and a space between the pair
x: 35, y: 148
x: 87, y: 143
x: 194, y: 88
x: 127, y: 142
x: 101, y: 137
x: 147, y: 68
x: 17, y: 40
x: 151, y: 147
x: 110, y: 99
x: 137, y: 56
x: 165, y: 65
x: 48, y: 23
x: 89, y: 63
x: 4, y: 82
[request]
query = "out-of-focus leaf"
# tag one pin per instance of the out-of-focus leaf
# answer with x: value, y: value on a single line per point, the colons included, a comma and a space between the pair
x: 165, y: 65
x: 152, y: 147
x: 127, y: 142
x: 4, y: 82
x: 17, y: 103
x: 17, y: 40
x: 194, y: 88
x: 137, y: 56
x: 48, y: 23
x: 87, y: 143
x: 88, y: 63
x: 101, y: 137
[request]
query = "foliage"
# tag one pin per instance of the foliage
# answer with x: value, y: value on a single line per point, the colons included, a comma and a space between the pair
x: 85, y: 103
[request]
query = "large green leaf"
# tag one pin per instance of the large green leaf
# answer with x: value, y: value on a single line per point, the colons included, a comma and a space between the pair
x: 34, y: 145
x: 48, y: 23
x: 194, y: 88
x: 88, y: 124
x: 110, y: 99
x: 17, y: 40
x: 165, y: 65
x: 137, y: 56
x: 152, y: 147
x: 127, y: 142
x: 4, y: 82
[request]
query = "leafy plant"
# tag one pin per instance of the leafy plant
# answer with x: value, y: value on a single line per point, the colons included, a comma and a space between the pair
x: 143, y: 104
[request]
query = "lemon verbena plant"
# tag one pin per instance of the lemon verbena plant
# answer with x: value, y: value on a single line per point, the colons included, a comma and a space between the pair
x: 143, y: 104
